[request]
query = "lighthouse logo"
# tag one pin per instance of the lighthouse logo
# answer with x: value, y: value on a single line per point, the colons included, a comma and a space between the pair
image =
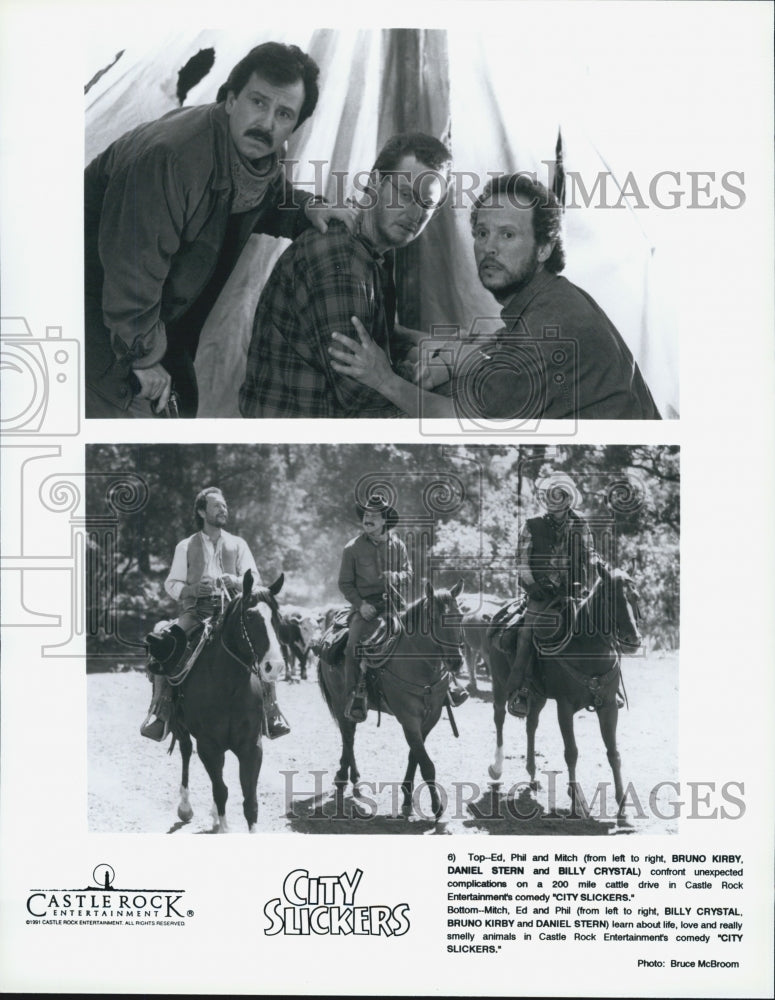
x: 102, y: 901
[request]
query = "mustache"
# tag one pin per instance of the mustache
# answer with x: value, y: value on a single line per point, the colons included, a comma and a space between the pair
x: 259, y: 133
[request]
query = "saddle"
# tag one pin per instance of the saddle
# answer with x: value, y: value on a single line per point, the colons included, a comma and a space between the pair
x: 502, y: 632
x: 331, y: 647
x: 332, y: 643
x: 380, y: 645
x: 175, y: 659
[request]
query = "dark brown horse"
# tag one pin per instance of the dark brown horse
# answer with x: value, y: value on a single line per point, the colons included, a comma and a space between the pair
x: 221, y: 703
x: 477, y: 619
x: 579, y: 667
x: 411, y: 683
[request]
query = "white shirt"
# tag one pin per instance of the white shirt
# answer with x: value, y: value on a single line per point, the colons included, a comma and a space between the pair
x: 176, y: 580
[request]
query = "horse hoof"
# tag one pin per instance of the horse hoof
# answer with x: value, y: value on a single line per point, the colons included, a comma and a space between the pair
x: 185, y: 815
x: 625, y: 824
x: 442, y: 827
x: 534, y: 786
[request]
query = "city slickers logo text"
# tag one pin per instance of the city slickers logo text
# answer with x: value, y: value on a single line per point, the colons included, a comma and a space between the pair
x: 325, y: 904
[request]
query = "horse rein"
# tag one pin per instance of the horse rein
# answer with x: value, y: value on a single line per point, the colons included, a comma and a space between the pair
x: 251, y: 667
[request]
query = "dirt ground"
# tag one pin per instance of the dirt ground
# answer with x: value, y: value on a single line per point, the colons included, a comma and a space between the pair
x: 133, y: 782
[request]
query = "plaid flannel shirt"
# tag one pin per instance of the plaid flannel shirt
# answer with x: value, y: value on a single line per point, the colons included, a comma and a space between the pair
x: 316, y: 286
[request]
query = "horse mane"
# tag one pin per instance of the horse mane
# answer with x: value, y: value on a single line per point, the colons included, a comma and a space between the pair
x: 411, y: 616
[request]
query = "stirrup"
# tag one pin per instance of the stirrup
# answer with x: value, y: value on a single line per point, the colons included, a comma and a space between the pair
x: 277, y: 725
x: 457, y: 696
x: 357, y: 706
x: 517, y: 704
x: 157, y: 730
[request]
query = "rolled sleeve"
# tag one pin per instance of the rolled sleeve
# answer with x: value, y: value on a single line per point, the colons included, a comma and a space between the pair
x: 176, y: 579
x: 245, y: 562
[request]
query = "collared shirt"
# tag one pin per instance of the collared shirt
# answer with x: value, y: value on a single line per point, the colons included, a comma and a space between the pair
x: 365, y: 561
x: 558, y: 356
x: 213, y: 565
x: 316, y: 286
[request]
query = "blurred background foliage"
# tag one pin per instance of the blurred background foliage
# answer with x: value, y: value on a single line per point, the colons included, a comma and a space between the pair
x: 461, y: 510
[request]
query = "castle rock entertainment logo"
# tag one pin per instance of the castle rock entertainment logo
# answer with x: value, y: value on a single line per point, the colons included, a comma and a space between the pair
x: 325, y: 904
x: 104, y: 903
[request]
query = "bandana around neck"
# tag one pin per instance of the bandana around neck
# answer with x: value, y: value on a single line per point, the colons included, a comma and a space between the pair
x: 250, y: 185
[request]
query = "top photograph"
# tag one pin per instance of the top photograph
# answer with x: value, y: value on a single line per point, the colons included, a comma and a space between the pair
x: 402, y: 223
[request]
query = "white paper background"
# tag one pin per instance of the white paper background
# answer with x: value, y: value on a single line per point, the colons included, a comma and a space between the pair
x: 688, y: 87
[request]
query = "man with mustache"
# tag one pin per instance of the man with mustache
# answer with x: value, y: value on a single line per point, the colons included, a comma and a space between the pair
x: 320, y: 282
x: 206, y: 572
x: 169, y: 207
x: 558, y: 355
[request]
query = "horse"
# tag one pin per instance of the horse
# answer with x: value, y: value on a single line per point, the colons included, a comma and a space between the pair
x: 412, y: 683
x: 578, y: 667
x: 220, y: 701
x: 476, y: 623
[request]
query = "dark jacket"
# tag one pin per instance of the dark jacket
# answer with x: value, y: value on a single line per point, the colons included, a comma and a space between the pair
x: 558, y: 357
x: 156, y: 208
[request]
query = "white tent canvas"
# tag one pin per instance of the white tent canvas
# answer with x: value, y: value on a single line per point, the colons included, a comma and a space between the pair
x: 502, y: 112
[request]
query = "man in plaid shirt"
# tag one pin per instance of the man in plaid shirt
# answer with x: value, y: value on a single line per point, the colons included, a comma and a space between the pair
x: 321, y: 282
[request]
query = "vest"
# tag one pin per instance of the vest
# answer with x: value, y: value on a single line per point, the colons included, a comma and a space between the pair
x: 548, y: 554
x: 227, y: 557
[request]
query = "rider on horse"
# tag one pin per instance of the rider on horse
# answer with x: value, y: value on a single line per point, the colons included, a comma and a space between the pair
x: 556, y: 561
x: 206, y: 572
x: 374, y: 577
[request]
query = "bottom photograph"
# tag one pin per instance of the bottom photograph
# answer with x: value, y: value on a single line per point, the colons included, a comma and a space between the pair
x: 382, y: 639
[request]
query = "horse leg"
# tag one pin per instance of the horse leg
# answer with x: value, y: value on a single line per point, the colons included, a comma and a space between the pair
x: 212, y: 757
x: 499, y: 670
x: 348, y: 770
x: 565, y: 719
x: 416, y: 741
x: 607, y: 717
x: 472, y: 659
x: 185, y: 812
x: 249, y: 768
x: 535, y: 706
x: 407, y: 785
x: 495, y: 770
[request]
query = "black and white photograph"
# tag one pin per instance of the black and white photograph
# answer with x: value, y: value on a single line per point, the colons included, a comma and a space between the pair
x: 493, y: 582
x: 387, y: 416
x: 245, y: 204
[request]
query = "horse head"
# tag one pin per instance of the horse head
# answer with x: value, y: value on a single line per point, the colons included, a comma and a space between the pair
x: 250, y: 630
x: 620, y: 609
x: 445, y: 622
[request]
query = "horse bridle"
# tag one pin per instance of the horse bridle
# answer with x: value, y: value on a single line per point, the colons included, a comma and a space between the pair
x: 631, y: 597
x: 252, y: 666
x: 459, y: 644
